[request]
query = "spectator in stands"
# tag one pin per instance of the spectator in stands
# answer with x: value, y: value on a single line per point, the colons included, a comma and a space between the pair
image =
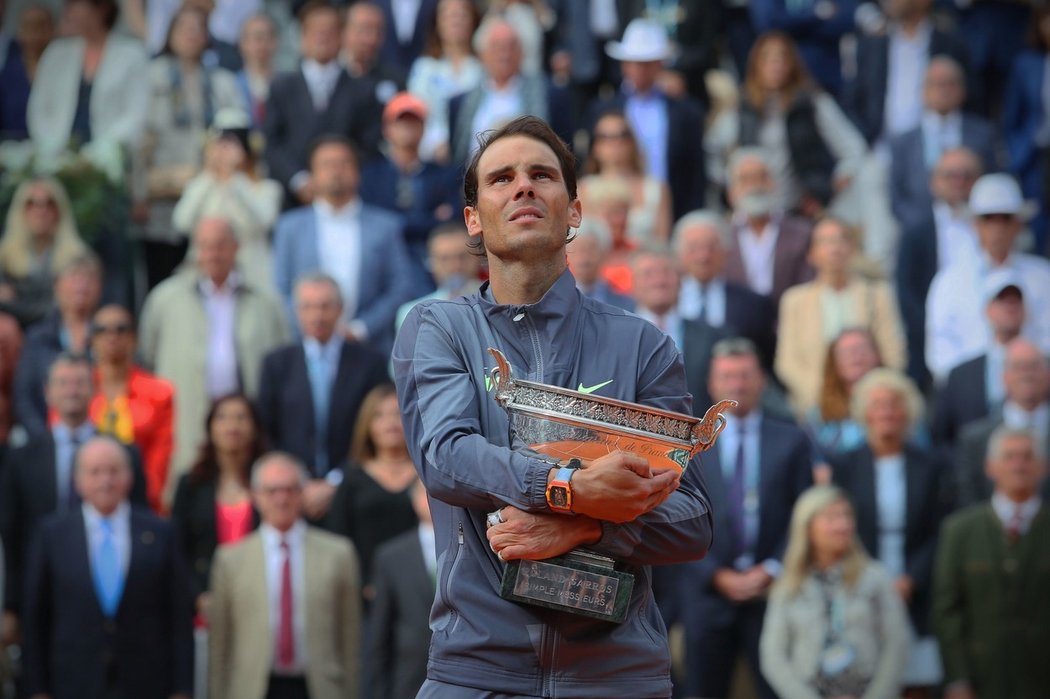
x: 954, y: 328
x: 758, y: 468
x: 817, y: 28
x: 207, y: 331
x: 319, y: 98
x: 358, y: 245
x: 669, y: 129
x: 504, y: 93
x: 115, y: 621
x: 655, y: 282
x: 615, y: 153
x: 900, y: 494
x: 40, y: 238
x: 587, y: 252
x: 399, y: 630
x: 701, y: 241
x: 230, y: 185
x: 770, y: 246
x: 932, y: 239
x: 258, y: 46
x: 88, y: 86
x: 914, y: 154
x: 406, y: 29
x: 815, y: 159
x: 212, y: 500
x: 36, y: 29
x: 186, y: 95
x: 1026, y: 375
x: 373, y: 504
x: 424, y: 194
x: 446, y: 68
x: 130, y: 404
x: 78, y: 288
x: 285, y: 601
x: 578, y: 54
x: 455, y: 268
x: 818, y: 311
x: 849, y: 358
x: 994, y: 32
x: 1026, y: 120
x: 975, y: 387
x: 363, y: 37
x: 609, y: 201
x: 310, y: 392
x: 834, y: 626
x: 150, y: 20
x: 990, y: 579
x: 885, y: 97
x: 38, y: 476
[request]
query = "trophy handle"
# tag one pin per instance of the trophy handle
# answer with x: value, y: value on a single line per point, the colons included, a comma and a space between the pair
x: 707, y: 430
x: 501, y: 376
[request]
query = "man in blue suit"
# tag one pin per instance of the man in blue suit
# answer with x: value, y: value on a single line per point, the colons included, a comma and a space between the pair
x: 759, y: 467
x: 108, y: 607
x: 358, y: 245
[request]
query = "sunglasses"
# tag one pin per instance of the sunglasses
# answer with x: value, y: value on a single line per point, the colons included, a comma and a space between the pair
x: 611, y: 135
x: 997, y: 217
x: 118, y: 329
x: 39, y: 202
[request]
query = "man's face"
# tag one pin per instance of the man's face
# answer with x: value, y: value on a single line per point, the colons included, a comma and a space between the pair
x: 523, y: 206
x: 1026, y: 376
x: 78, y: 290
x: 997, y: 233
x: 700, y: 252
x: 320, y: 36
x: 954, y: 177
x: 448, y: 257
x: 737, y: 378
x: 112, y: 335
x: 68, y: 391
x: 642, y: 75
x: 750, y: 178
x: 1016, y: 471
x: 103, y: 476
x: 906, y: 9
x: 1006, y: 313
x: 501, y: 54
x: 35, y: 28
x: 258, y: 42
x: 655, y: 283
x: 318, y: 309
x: 333, y: 169
x: 216, y: 249
x: 585, y: 259
x: 943, y: 91
x: 278, y: 495
x: 363, y: 37
x: 405, y: 131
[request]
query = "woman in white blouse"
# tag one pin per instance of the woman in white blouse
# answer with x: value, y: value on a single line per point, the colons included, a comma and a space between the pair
x: 834, y: 626
x: 447, y: 68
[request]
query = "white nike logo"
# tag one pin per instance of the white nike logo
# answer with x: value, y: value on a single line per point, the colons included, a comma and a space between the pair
x: 587, y: 390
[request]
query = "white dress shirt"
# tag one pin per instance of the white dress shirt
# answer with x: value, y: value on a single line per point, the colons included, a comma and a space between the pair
x: 906, y: 65
x: 405, y: 13
x: 1006, y: 509
x: 758, y: 253
x: 604, y: 22
x: 995, y: 360
x: 220, y: 306
x: 271, y: 539
x: 647, y: 114
x: 891, y: 501
x: 939, y: 133
x: 339, y: 249
x: 120, y: 518
x: 1037, y: 421
x: 956, y: 235
x: 706, y: 302
x: 497, y: 106
x: 321, y: 80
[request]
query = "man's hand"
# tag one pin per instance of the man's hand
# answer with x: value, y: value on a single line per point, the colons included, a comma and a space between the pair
x: 12, y: 632
x: 620, y: 487
x: 317, y: 498
x: 535, y: 536
x: 905, y: 587
x: 741, y: 587
x: 959, y: 690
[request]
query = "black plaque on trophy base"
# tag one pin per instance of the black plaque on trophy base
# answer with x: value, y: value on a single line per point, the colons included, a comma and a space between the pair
x: 578, y: 582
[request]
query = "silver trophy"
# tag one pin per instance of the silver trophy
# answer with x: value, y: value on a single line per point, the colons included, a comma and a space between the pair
x: 561, y: 425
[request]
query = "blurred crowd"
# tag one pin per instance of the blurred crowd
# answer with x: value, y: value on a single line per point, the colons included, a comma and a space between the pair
x: 218, y: 212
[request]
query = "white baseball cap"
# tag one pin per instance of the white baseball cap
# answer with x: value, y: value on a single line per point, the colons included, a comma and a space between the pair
x: 644, y: 40
x: 998, y: 281
x: 998, y: 193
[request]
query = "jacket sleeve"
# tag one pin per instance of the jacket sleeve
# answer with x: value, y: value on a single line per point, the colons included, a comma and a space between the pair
x: 280, y: 158
x: 384, y: 618
x: 220, y: 623
x: 350, y: 593
x: 36, y: 616
x: 949, y: 603
x: 156, y: 452
x: 400, y: 282
x: 895, y: 634
x: 180, y: 609
x: 777, y: 637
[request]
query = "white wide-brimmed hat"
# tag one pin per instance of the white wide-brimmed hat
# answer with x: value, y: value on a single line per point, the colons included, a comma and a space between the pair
x: 998, y: 193
x: 644, y: 40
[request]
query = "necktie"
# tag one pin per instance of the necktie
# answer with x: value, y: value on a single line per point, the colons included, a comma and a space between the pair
x: 737, y: 494
x: 1014, y: 528
x: 109, y: 579
x: 72, y: 497
x: 319, y: 392
x: 285, y: 630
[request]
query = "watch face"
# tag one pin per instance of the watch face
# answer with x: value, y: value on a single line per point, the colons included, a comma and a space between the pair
x: 559, y: 497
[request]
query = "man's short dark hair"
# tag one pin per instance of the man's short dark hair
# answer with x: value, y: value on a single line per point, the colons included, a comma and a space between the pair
x: 534, y: 128
x: 108, y: 9
x: 332, y: 139
x: 313, y: 7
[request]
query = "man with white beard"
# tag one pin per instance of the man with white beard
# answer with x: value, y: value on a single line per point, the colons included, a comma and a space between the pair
x: 769, y: 248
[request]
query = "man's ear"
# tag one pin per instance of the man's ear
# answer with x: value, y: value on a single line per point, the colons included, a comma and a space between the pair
x: 473, y: 221
x: 575, y: 213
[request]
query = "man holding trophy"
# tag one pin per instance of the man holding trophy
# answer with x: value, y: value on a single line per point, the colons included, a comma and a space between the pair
x: 507, y: 621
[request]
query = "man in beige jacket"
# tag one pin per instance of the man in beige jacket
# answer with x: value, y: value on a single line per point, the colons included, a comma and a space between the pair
x: 285, y: 611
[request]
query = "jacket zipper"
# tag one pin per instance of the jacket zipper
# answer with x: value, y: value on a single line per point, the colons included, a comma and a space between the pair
x: 547, y: 661
x: 537, y: 347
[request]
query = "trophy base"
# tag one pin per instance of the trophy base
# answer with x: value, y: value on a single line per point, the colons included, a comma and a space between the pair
x: 579, y: 582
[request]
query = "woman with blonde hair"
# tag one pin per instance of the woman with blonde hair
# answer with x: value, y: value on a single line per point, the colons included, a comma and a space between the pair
x: 40, y: 238
x: 833, y: 626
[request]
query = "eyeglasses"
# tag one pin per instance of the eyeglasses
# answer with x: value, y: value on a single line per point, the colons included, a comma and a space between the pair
x: 611, y: 135
x: 40, y: 202
x: 117, y: 329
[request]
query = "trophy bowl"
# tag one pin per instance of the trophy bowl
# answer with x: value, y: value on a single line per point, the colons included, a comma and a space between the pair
x: 561, y: 425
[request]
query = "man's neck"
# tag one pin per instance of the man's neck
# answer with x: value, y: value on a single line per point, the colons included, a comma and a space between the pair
x: 259, y: 70
x: 1017, y: 497
x: 406, y: 159
x: 219, y: 281
x: 1003, y: 338
x: 337, y: 203
x: 910, y: 26
x: 517, y: 283
x: 1027, y: 404
x: 72, y: 422
x: 758, y: 224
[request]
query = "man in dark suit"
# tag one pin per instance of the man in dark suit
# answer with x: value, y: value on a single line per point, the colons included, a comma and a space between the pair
x: 758, y: 468
x: 914, y: 154
x: 406, y: 34
x: 888, y: 66
x: 363, y: 42
x: 1026, y: 375
x: 311, y: 390
x: 757, y: 225
x: 404, y: 575
x: 318, y: 98
x: 108, y: 610
x: 38, y: 477
x: 990, y: 580
x: 701, y: 241
x: 669, y: 129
